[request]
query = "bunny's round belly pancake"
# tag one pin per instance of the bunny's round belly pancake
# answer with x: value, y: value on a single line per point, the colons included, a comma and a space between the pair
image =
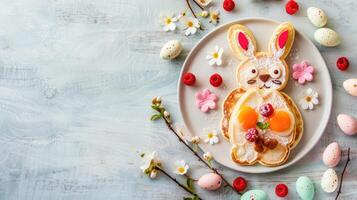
x: 242, y: 152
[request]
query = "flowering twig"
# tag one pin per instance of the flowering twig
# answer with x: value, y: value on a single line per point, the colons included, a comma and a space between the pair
x: 189, y: 6
x: 158, y: 107
x: 178, y: 183
x: 343, y: 172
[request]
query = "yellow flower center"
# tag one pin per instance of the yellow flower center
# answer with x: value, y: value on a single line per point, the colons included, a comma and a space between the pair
x: 190, y: 24
x: 214, y: 16
x: 181, y: 170
x: 210, y: 135
x: 168, y: 20
x: 215, y: 55
x: 308, y: 98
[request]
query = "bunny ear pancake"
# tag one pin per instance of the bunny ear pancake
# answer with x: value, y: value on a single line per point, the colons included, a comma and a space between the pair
x: 241, y: 41
x: 282, y: 40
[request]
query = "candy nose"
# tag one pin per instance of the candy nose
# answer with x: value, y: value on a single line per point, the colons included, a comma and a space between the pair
x: 264, y: 77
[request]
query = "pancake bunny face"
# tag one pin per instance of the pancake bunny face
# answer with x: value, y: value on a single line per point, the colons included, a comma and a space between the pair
x: 263, y: 70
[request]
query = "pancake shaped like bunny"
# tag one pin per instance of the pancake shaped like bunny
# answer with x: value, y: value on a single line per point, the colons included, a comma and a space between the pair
x: 262, y: 123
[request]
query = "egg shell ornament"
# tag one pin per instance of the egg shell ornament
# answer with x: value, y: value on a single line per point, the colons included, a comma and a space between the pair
x: 329, y: 181
x: 327, y: 37
x: 254, y: 194
x: 317, y: 16
x: 210, y: 181
x: 350, y: 86
x: 332, y: 155
x: 305, y: 188
x: 171, y: 50
x: 347, y: 124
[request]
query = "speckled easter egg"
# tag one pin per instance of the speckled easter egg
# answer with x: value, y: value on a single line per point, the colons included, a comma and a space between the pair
x: 327, y: 37
x: 305, y: 188
x: 210, y: 181
x: 329, y: 181
x: 350, y: 86
x: 317, y: 16
x: 332, y: 155
x: 254, y: 194
x: 171, y: 50
x: 347, y: 124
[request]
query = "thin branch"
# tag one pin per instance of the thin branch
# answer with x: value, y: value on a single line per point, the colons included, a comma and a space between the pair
x: 198, y: 4
x: 189, y: 6
x: 178, y: 183
x: 198, y: 156
x: 343, y: 172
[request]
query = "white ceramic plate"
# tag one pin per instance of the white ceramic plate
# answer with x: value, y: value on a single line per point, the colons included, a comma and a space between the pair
x: 196, y: 121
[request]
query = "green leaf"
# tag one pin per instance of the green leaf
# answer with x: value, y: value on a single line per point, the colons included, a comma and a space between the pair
x: 191, y: 198
x: 263, y: 125
x: 189, y: 183
x: 155, y: 107
x: 155, y: 117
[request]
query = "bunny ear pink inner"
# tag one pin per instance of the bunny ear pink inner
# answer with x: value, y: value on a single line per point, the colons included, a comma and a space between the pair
x: 243, y: 41
x: 283, y: 38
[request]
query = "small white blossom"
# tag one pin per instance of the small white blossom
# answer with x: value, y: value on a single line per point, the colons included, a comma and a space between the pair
x: 168, y: 22
x: 149, y: 161
x: 191, y: 25
x: 208, y: 156
x: 214, y: 16
x: 195, y: 139
x: 309, y: 99
x: 203, y: 3
x: 203, y: 14
x: 212, y: 137
x: 166, y: 113
x: 181, y: 167
x: 215, y: 57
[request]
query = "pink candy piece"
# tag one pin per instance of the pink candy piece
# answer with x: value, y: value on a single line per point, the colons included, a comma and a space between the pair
x: 206, y: 100
x: 303, y: 72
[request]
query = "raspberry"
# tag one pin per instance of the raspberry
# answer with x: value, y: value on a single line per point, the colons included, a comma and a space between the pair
x: 239, y: 184
x: 342, y: 63
x: 252, y: 135
x: 189, y: 78
x: 291, y: 7
x: 281, y: 190
x: 228, y: 5
x: 266, y: 110
x: 215, y: 80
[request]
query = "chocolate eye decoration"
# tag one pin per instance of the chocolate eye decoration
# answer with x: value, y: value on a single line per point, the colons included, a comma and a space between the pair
x: 252, y: 72
x: 275, y: 72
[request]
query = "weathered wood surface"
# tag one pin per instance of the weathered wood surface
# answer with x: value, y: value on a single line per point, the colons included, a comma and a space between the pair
x: 76, y: 79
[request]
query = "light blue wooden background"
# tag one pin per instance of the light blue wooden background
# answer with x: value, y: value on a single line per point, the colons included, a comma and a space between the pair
x: 76, y: 79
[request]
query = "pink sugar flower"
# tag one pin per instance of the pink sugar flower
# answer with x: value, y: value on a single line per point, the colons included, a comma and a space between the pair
x: 206, y: 100
x: 303, y: 72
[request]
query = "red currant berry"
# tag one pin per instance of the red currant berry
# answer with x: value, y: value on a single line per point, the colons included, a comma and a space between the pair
x: 216, y: 80
x: 239, y: 184
x: 342, y: 63
x: 228, y: 5
x: 266, y: 110
x: 189, y: 78
x: 252, y: 135
x: 291, y: 7
x: 281, y: 190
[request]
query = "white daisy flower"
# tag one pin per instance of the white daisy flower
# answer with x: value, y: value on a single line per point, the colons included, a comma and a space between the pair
x: 149, y: 161
x: 168, y: 22
x: 191, y: 25
x: 212, y: 137
x: 208, y: 156
x: 214, y: 16
x: 215, y: 57
x: 181, y: 167
x: 309, y: 99
x: 203, y: 3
